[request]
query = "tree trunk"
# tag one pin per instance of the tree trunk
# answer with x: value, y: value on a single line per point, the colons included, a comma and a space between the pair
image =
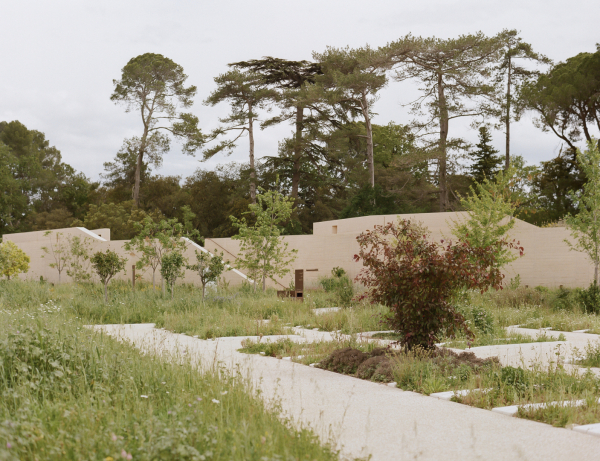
x: 442, y: 172
x: 164, y: 289
x: 138, y: 167
x: 507, y: 121
x: 203, y: 290
x: 251, y: 139
x: 106, y: 292
x: 153, y: 272
x: 264, y: 283
x: 297, y: 153
x: 369, y: 128
x: 59, y: 276
x: 172, y: 289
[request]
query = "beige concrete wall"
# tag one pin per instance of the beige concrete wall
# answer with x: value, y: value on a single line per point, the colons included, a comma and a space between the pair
x: 32, y: 243
x: 547, y: 261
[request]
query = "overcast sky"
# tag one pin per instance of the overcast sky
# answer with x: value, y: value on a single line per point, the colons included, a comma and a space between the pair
x: 58, y: 59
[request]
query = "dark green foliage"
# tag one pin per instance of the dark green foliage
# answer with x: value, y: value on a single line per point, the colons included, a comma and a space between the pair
x: 369, y: 201
x: 40, y: 192
x: 483, y: 320
x: 590, y: 298
x: 485, y: 159
x: 107, y: 265
x: 340, y: 285
x: 516, y: 378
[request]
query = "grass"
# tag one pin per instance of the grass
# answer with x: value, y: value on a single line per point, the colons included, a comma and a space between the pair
x: 538, y: 307
x: 242, y: 312
x: 71, y: 393
x: 591, y: 356
x: 301, y: 352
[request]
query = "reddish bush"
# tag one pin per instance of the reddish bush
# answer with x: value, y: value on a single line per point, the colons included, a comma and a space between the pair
x: 418, y: 279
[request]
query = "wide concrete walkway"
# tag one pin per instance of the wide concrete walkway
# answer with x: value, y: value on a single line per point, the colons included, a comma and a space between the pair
x: 362, y: 418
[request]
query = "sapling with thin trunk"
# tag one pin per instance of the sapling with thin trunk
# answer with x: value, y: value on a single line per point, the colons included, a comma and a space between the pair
x: 107, y: 265
x: 209, y: 268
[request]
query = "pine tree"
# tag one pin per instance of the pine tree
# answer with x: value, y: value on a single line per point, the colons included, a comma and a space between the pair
x: 486, y: 162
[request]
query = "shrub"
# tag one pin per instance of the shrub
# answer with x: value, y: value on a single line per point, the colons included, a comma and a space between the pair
x: 13, y: 260
x: 171, y: 268
x: 107, y: 265
x: 483, y: 320
x: 590, y: 298
x: 418, y: 279
x: 340, y: 285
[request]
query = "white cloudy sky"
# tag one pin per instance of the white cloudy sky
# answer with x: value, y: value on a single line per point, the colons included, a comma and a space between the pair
x: 58, y: 58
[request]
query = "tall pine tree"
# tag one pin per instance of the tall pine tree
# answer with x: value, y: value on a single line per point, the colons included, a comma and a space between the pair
x: 485, y: 158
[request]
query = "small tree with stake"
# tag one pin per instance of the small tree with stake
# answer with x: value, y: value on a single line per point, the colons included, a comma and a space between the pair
x: 209, y: 268
x: 171, y: 268
x: 107, y: 265
x: 418, y: 279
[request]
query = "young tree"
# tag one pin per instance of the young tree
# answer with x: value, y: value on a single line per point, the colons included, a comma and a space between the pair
x: 59, y: 251
x: 209, y: 268
x: 154, y: 240
x: 154, y: 86
x: 352, y: 78
x: 246, y: 92
x: 490, y: 208
x: 171, y: 268
x: 418, y: 279
x: 453, y: 72
x: 264, y: 253
x: 13, y: 260
x: 107, y: 265
x: 510, y: 74
x: 585, y: 225
x: 486, y: 162
x: 78, y: 260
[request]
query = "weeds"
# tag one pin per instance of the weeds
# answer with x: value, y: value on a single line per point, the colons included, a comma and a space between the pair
x: 70, y: 393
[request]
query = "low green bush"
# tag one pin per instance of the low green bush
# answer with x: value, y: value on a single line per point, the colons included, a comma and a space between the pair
x: 590, y: 299
x: 340, y: 285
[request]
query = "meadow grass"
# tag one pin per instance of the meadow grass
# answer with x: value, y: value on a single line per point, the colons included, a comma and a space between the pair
x: 69, y: 392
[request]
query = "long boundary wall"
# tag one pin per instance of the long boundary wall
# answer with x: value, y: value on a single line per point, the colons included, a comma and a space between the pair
x: 33, y: 243
x: 548, y: 261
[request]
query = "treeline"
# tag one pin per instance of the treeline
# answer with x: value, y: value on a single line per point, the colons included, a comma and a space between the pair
x: 337, y: 162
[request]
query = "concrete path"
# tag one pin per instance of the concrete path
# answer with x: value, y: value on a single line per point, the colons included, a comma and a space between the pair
x: 362, y: 418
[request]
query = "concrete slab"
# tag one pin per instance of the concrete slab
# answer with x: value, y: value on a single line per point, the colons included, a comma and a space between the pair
x: 590, y: 429
x: 461, y: 393
x: 362, y: 418
x: 326, y: 310
x: 513, y: 409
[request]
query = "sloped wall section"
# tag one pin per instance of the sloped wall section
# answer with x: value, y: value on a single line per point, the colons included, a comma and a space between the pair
x: 548, y: 260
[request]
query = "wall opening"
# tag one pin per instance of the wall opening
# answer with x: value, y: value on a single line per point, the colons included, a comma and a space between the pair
x: 334, y: 229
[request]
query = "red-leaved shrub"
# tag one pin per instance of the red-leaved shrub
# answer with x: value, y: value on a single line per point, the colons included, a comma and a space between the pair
x: 417, y: 279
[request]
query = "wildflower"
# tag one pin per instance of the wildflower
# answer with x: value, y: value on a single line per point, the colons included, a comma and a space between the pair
x: 8, y: 445
x: 144, y: 396
x: 126, y: 455
x: 198, y: 398
x: 224, y: 393
x: 109, y: 458
x: 113, y: 437
x: 215, y: 401
x: 189, y: 404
